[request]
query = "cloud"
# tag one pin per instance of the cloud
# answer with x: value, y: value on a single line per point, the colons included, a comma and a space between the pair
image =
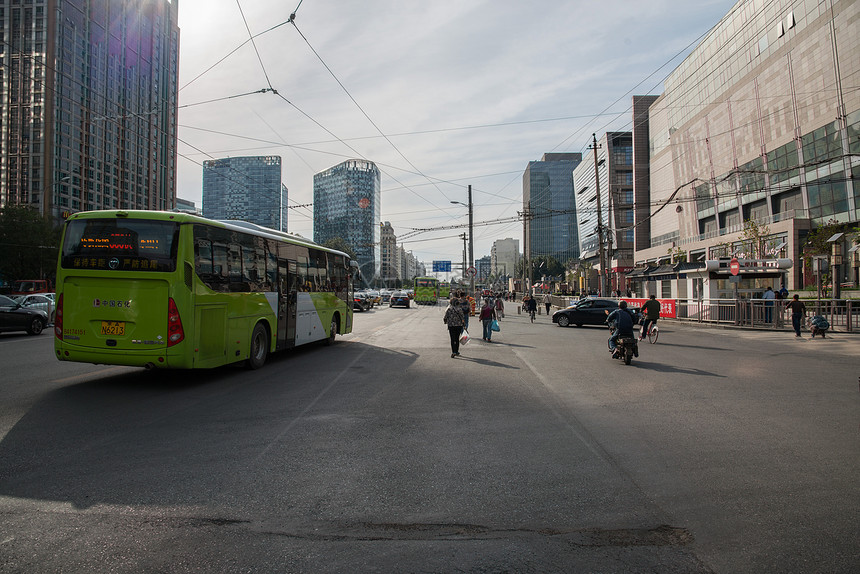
x: 425, y: 73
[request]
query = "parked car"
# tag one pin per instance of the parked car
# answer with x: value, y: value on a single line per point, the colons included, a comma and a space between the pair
x: 41, y: 301
x: 14, y: 317
x: 591, y: 311
x: 399, y: 298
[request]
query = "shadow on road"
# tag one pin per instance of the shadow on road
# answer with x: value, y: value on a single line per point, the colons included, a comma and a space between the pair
x: 170, y: 437
x: 675, y: 369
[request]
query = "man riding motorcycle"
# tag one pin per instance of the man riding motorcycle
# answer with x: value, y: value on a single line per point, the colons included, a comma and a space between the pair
x: 622, y: 320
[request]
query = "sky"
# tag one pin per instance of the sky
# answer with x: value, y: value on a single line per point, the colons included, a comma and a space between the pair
x: 440, y: 94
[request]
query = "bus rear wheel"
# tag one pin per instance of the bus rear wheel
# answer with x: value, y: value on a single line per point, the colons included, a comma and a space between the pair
x: 259, y: 347
x: 333, y: 331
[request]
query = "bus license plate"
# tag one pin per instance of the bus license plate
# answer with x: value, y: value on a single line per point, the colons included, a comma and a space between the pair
x: 116, y: 328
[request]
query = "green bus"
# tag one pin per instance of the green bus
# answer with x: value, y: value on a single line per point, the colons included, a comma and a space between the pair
x: 173, y: 290
x: 444, y: 289
x: 426, y: 290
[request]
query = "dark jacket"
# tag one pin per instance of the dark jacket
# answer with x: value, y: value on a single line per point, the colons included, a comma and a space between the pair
x: 623, y: 321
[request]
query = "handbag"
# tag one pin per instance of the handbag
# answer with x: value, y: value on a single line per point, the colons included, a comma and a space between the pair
x: 464, y: 338
x: 494, y: 325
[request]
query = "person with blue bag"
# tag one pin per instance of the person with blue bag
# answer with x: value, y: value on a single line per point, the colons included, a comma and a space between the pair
x: 488, y: 316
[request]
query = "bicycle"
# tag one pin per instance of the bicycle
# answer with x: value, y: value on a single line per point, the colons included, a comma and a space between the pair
x: 532, y: 315
x: 653, y: 333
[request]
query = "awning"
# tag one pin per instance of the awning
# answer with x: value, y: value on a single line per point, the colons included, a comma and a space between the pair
x: 639, y: 272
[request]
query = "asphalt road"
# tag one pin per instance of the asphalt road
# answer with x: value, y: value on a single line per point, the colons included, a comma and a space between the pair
x: 715, y: 451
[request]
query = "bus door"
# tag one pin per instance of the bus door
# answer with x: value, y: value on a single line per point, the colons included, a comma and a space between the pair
x: 287, y: 303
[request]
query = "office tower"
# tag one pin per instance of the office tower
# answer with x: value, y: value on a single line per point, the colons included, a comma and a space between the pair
x: 89, y: 105
x: 550, y: 207
x: 246, y: 189
x: 347, y: 205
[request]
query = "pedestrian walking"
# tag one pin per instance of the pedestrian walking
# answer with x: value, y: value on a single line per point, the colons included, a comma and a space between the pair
x: 465, y: 308
x: 798, y: 310
x: 454, y: 319
x: 547, y: 301
x: 488, y: 314
x: 500, y: 309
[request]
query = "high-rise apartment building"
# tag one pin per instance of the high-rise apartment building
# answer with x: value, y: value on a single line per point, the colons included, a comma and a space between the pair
x: 388, y: 254
x: 760, y: 122
x: 246, y: 189
x: 347, y: 205
x: 484, y: 268
x: 615, y: 169
x: 504, y: 256
x: 550, y: 207
x: 88, y: 105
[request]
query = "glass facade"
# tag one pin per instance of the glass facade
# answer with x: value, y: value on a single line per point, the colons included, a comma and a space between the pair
x: 551, y: 227
x: 247, y: 189
x: 347, y: 206
x: 89, y: 103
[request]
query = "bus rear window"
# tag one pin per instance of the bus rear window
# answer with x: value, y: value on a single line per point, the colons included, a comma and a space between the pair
x: 120, y: 245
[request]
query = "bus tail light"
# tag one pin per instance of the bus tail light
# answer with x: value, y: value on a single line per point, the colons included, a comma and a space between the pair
x: 175, y: 332
x: 58, y: 318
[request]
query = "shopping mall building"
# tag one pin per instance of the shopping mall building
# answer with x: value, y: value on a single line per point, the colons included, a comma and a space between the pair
x: 761, y: 123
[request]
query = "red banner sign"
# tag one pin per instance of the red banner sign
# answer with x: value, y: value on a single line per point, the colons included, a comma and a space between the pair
x: 667, y: 306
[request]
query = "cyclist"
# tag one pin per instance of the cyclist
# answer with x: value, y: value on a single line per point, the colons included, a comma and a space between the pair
x: 530, y: 305
x: 651, y: 310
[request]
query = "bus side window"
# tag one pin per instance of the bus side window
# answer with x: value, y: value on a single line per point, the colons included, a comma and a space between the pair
x: 271, y: 267
x: 203, y: 259
x: 219, y: 268
x: 234, y: 264
x: 322, y: 269
x: 250, y: 276
x: 302, y: 273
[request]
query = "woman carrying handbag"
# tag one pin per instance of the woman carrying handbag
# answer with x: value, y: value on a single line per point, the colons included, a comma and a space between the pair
x: 488, y: 315
x: 456, y: 324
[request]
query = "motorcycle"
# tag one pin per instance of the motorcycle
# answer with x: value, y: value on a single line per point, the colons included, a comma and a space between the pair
x: 626, y: 347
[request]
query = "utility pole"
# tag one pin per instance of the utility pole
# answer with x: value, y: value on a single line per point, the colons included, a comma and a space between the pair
x: 601, y: 277
x: 471, y: 243
x: 526, y: 244
x: 463, y: 237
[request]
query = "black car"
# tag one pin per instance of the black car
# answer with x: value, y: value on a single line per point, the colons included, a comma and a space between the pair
x: 400, y: 298
x: 360, y: 302
x: 589, y: 311
x: 14, y: 317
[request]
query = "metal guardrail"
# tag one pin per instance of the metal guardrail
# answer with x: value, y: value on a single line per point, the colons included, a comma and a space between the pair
x: 843, y: 315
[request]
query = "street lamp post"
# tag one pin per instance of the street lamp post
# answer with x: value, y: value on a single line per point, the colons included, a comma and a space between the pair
x: 471, y: 242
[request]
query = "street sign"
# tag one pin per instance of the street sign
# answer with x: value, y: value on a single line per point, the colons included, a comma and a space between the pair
x: 441, y: 267
x: 471, y: 272
x: 734, y: 266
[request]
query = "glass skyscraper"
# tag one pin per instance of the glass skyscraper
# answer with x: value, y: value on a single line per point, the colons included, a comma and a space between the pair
x: 347, y: 205
x: 88, y: 105
x: 550, y: 223
x: 247, y: 189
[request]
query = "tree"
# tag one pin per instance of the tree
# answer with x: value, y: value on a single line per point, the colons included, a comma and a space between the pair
x: 29, y: 244
x: 754, y: 240
x: 341, y: 245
